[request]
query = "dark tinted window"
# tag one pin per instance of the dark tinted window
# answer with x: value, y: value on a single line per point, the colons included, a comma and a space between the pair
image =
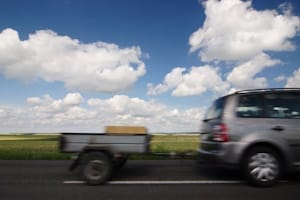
x: 283, y: 105
x: 250, y: 106
x: 215, y: 111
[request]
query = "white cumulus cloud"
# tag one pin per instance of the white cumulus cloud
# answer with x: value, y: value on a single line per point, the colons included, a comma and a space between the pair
x: 294, y: 81
x: 123, y: 110
x: 234, y: 30
x: 99, y: 66
x: 122, y: 104
x: 243, y: 76
x: 280, y: 78
x: 193, y: 82
x: 47, y: 104
x: 199, y: 80
x: 171, y: 80
x: 73, y: 114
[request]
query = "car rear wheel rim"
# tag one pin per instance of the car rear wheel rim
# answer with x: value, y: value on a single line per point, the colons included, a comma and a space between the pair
x: 263, y: 167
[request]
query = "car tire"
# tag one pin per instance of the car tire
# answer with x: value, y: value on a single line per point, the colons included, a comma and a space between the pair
x: 96, y: 168
x: 262, y: 166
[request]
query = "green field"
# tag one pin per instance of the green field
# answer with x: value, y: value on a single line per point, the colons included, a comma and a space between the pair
x: 30, y: 147
x: 174, y: 143
x: 45, y: 147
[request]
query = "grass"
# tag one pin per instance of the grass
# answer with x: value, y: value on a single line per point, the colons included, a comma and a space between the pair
x: 30, y: 147
x: 45, y: 147
x: 174, y: 143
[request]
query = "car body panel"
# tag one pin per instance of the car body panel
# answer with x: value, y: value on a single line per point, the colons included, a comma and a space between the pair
x: 282, y: 134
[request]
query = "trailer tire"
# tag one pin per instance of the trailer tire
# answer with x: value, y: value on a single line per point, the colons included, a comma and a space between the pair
x: 96, y: 168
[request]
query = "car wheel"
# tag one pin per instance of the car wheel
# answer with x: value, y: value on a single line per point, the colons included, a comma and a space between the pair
x: 262, y: 166
x: 96, y: 168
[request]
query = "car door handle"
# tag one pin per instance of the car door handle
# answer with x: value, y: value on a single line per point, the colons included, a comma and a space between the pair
x: 277, y: 128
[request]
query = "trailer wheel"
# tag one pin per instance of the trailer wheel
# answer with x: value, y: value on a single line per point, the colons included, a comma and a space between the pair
x: 96, y: 168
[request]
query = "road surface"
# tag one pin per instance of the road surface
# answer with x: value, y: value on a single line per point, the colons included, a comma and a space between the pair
x: 153, y: 180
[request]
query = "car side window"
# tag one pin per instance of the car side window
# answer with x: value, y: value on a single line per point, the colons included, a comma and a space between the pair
x: 250, y: 106
x: 283, y: 105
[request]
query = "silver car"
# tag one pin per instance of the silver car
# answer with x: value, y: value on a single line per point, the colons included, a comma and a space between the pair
x: 257, y: 131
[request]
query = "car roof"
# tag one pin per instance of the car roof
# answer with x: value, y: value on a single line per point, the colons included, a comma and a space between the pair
x: 260, y: 91
x: 267, y: 90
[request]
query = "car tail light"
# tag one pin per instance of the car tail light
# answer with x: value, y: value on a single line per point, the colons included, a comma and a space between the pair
x: 220, y: 133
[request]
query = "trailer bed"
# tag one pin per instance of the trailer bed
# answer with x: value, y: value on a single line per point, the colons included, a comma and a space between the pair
x: 125, y: 144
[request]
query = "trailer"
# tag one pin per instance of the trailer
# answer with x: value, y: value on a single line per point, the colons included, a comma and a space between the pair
x: 98, y: 154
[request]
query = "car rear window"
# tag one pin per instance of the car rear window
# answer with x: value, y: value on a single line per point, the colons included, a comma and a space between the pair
x: 216, y: 109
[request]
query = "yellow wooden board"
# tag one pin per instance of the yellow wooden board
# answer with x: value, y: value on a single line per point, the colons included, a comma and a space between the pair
x: 126, y: 130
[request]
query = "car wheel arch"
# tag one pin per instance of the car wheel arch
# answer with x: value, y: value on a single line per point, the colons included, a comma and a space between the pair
x: 282, y: 156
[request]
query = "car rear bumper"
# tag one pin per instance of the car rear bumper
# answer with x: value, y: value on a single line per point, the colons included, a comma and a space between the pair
x: 210, y: 157
x: 224, y: 155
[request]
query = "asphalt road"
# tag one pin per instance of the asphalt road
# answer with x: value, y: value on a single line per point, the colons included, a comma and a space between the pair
x: 166, y: 179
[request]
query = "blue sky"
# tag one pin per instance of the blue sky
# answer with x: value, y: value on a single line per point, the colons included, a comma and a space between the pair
x: 79, y: 65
